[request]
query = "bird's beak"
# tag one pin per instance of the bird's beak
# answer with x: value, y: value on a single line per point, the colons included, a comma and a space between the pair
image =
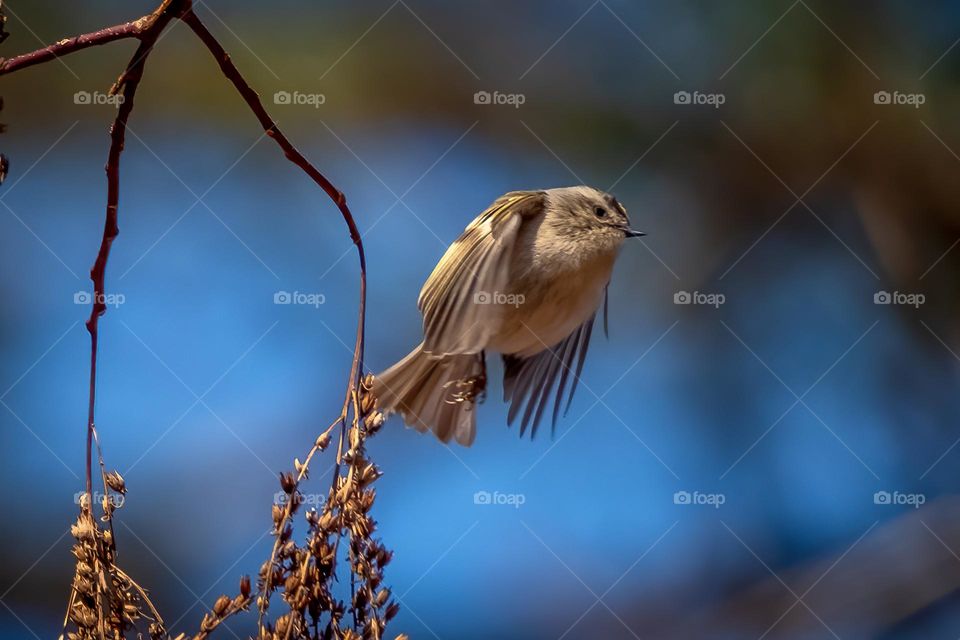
x: 630, y: 233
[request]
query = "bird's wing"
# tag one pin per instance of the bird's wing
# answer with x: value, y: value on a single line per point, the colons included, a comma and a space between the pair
x: 457, y: 318
x: 529, y: 381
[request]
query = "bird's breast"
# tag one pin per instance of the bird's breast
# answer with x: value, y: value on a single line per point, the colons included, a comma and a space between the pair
x: 549, y: 304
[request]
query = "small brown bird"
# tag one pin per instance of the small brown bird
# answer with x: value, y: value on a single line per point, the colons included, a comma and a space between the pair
x: 525, y: 279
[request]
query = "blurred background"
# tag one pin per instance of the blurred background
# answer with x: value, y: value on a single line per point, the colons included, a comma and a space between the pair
x: 766, y: 446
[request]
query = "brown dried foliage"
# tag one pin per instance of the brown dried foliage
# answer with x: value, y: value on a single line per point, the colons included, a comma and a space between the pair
x: 105, y: 603
x: 305, y: 574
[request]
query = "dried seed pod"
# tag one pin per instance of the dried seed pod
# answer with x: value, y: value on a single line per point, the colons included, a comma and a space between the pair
x: 115, y: 481
x: 374, y: 421
x: 392, y: 610
x: 323, y: 441
x: 287, y: 482
x: 82, y: 530
x: 327, y: 521
x: 245, y: 586
x: 220, y: 606
x: 84, y: 586
x: 282, y: 624
x: 367, y: 402
x: 265, y: 569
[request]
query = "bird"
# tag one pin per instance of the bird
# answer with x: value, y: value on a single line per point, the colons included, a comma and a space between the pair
x: 525, y: 279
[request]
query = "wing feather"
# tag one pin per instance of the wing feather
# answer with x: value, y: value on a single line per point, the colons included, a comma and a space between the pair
x: 586, y: 329
x: 528, y: 382
x: 478, y: 261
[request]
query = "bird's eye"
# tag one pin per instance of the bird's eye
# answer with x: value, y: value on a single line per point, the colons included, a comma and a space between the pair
x: 600, y: 212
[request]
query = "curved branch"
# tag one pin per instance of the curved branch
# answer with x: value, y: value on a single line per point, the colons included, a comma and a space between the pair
x: 273, y: 131
x: 130, y: 81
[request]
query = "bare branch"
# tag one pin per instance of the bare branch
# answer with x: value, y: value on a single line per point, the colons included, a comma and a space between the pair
x: 273, y: 131
x: 139, y: 28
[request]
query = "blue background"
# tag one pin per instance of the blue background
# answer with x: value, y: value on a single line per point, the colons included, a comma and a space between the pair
x: 207, y: 389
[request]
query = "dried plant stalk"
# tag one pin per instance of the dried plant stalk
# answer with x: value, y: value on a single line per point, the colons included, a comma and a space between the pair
x: 306, y: 575
x: 105, y: 603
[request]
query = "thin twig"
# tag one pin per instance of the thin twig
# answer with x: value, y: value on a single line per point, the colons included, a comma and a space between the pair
x: 273, y: 131
x: 134, y: 29
x: 132, y: 76
x: 131, y: 80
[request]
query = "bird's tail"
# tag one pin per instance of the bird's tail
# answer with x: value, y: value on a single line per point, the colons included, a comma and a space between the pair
x: 434, y: 392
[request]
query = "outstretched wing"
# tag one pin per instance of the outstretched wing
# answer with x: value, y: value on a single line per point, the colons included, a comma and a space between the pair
x: 527, y: 382
x: 457, y: 316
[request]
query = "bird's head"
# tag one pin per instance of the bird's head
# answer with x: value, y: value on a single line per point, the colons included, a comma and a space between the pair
x: 589, y: 217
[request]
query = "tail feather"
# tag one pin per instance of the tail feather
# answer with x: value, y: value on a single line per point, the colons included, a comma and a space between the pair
x: 434, y: 393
